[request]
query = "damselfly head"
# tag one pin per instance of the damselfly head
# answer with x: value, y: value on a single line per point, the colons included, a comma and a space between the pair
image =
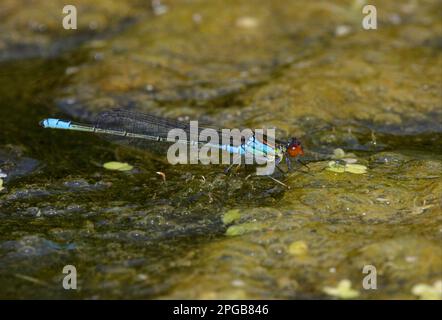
x: 294, y: 148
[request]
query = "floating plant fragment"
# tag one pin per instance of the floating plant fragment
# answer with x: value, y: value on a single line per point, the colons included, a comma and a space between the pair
x: 244, y: 228
x: 162, y: 175
x: 339, y: 167
x: 118, y: 166
x: 338, y: 153
x: 428, y: 292
x: 298, y: 248
x: 2, y: 175
x: 231, y: 216
x: 343, y: 290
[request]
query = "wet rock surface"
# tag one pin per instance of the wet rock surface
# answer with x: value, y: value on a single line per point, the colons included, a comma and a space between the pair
x: 35, y: 28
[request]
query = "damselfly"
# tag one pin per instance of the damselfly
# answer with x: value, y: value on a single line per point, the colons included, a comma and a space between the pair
x: 135, y: 125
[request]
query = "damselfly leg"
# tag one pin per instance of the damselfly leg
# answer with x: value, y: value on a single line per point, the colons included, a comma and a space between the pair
x: 236, y: 160
x: 304, y: 164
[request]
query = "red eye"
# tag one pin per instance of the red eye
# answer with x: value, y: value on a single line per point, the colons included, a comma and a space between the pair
x: 294, y: 149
